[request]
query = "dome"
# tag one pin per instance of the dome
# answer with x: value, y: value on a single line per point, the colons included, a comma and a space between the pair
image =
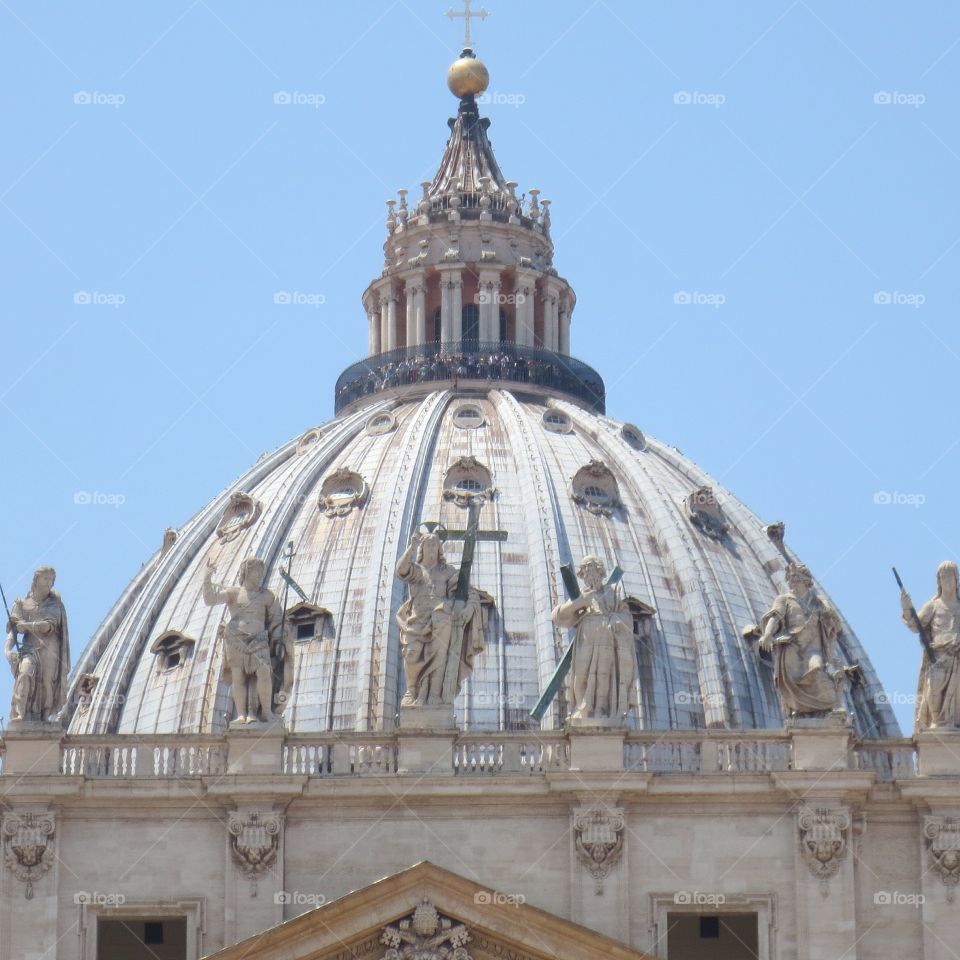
x: 468, y: 395
x: 561, y: 480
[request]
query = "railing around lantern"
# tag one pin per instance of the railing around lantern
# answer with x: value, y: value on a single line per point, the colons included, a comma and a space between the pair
x: 472, y: 361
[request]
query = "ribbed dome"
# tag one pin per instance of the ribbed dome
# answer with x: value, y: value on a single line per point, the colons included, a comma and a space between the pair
x: 566, y: 482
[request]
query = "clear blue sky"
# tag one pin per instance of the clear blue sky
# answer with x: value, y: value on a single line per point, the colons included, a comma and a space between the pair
x: 782, y: 187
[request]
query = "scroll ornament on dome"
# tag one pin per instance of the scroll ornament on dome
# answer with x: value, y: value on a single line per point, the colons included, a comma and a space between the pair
x: 28, y: 848
x: 425, y: 935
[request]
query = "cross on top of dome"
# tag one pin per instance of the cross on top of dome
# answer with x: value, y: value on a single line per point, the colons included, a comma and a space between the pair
x: 468, y: 14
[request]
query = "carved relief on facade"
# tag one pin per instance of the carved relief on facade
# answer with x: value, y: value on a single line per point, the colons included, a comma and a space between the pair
x: 28, y: 848
x: 468, y: 481
x: 942, y: 835
x: 342, y: 491
x: 241, y: 512
x: 824, y: 839
x: 425, y: 935
x: 595, y: 489
x: 254, y: 842
x: 598, y: 836
x: 706, y: 514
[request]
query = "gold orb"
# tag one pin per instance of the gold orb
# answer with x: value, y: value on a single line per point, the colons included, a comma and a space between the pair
x: 467, y: 76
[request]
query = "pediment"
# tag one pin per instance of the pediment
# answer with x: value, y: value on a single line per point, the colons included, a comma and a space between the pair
x: 426, y: 912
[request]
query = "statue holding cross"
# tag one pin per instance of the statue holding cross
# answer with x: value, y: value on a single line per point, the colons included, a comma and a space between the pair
x: 441, y: 621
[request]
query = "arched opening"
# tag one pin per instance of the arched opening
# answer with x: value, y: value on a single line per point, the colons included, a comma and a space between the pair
x: 471, y: 326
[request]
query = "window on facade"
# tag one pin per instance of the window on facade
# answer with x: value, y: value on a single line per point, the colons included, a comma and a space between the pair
x: 557, y: 418
x: 135, y: 938
x: 730, y: 936
x: 471, y: 322
x: 594, y: 492
x: 469, y: 484
x: 306, y: 631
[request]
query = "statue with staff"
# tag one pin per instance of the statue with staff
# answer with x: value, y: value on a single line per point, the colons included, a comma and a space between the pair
x: 937, y: 623
x: 258, y: 662
x: 441, y: 621
x: 601, y: 660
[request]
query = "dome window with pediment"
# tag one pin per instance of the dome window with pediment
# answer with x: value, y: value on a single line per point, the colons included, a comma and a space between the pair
x: 172, y: 648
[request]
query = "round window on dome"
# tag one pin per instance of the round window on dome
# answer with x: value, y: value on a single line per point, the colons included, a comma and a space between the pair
x: 556, y: 422
x: 595, y: 489
x: 308, y: 439
x: 468, y: 416
x: 634, y: 436
x: 381, y: 423
x: 341, y: 492
x: 467, y: 481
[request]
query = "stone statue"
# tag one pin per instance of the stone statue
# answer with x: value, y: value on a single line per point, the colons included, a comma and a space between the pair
x: 258, y: 655
x: 603, y: 675
x: 38, y: 651
x: 801, y: 630
x: 939, y: 687
x: 428, y: 618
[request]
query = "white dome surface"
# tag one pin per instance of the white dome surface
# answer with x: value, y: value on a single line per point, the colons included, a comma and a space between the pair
x: 696, y: 668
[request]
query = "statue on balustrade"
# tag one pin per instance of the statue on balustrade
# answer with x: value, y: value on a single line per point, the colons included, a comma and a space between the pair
x: 800, y: 630
x: 938, y: 623
x: 603, y: 677
x: 432, y: 620
x: 258, y: 654
x: 37, y: 648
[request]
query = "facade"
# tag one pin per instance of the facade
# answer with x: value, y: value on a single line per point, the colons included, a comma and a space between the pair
x: 319, y: 722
